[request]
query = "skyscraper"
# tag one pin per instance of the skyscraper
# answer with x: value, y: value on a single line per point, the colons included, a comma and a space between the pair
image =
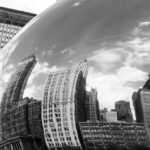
x: 123, y: 111
x: 92, y: 105
x: 63, y: 106
x: 11, y: 21
x: 15, y: 121
x: 137, y: 104
x: 22, y: 127
x: 16, y: 84
x: 141, y: 102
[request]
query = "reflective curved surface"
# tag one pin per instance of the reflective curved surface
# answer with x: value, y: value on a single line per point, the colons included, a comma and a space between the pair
x: 111, y: 34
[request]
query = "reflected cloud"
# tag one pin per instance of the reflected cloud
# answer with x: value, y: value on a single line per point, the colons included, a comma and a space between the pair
x: 68, y: 51
x: 113, y: 36
x: 115, y: 86
x: 105, y: 59
x: 76, y: 4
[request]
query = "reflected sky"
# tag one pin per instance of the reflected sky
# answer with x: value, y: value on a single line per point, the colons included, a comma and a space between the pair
x: 113, y: 35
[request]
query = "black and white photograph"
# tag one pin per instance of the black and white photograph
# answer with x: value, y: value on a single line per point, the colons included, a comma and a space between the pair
x: 74, y: 74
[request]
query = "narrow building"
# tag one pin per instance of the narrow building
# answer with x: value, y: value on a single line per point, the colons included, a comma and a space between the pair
x: 92, y: 105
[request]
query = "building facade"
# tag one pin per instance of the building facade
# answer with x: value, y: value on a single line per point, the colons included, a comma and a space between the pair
x: 141, y: 102
x: 14, y: 123
x: 63, y: 106
x: 18, y: 114
x: 137, y: 104
x: 111, y: 116
x: 103, y: 135
x: 103, y: 115
x: 11, y: 21
x: 22, y: 126
x: 92, y: 105
x: 123, y: 111
x: 35, y: 119
x: 16, y: 84
x: 108, y: 116
x: 22, y: 143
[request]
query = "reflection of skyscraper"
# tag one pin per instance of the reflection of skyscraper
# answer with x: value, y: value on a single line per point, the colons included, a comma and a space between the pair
x: 15, y: 87
x: 63, y: 106
x: 92, y: 105
x: 22, y: 127
x: 103, y: 115
x: 11, y: 21
x: 137, y: 103
x: 123, y: 111
x: 141, y: 102
x: 14, y: 113
x: 101, y: 135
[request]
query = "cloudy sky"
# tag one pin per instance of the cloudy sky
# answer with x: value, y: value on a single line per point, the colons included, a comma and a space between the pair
x: 114, y: 35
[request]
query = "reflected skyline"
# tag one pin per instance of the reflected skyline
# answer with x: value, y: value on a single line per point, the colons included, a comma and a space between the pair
x: 113, y: 36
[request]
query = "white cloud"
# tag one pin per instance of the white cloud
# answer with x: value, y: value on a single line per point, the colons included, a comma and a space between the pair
x: 7, y: 71
x: 106, y: 59
x: 68, y: 51
x: 76, y: 4
x: 134, y: 41
x: 33, y: 89
x: 42, y: 68
x: 137, y: 48
x: 130, y: 74
x: 113, y: 87
x: 30, y: 91
x: 138, y: 52
x: 144, y: 23
x: 139, y: 29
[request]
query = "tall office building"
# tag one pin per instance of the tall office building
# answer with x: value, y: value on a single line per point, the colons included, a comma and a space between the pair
x: 92, y: 105
x: 137, y: 104
x: 22, y: 127
x: 123, y: 111
x: 16, y: 84
x: 63, y: 106
x: 18, y: 114
x: 11, y: 21
x: 141, y: 102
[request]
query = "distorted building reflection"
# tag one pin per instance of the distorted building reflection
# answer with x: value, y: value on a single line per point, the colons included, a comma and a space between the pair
x: 141, y: 103
x: 63, y: 106
x: 21, y: 122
